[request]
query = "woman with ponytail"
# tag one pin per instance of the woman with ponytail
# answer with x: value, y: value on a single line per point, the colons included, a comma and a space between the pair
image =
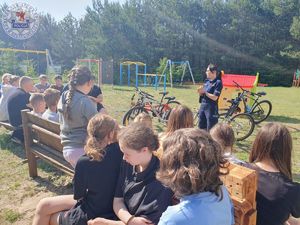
x: 75, y: 109
x: 95, y: 179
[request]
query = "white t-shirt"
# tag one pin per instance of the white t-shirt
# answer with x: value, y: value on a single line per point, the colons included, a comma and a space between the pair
x: 49, y: 115
x: 7, y: 91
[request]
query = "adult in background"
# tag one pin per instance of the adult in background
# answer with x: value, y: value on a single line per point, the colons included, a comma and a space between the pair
x: 17, y: 102
x: 58, y: 84
x: 7, y: 91
x: 277, y: 196
x: 209, y: 95
x: 75, y: 109
x: 43, y: 85
x: 95, y: 95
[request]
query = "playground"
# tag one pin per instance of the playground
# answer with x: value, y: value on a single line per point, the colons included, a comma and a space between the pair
x: 17, y: 187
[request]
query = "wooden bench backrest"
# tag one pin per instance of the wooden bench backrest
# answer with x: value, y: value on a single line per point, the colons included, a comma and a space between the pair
x: 45, y: 132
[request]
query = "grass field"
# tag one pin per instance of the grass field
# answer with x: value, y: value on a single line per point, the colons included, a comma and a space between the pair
x: 19, y: 194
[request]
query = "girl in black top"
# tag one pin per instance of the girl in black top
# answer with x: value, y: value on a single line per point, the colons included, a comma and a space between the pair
x: 278, y: 197
x: 139, y: 197
x: 96, y: 175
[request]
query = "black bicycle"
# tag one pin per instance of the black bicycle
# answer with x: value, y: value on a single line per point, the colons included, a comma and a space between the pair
x: 259, y: 110
x: 147, y: 104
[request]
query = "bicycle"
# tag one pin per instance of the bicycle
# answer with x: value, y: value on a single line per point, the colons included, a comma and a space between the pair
x: 147, y: 104
x: 260, y: 110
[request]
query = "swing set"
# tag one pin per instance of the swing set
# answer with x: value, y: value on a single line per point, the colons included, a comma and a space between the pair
x: 184, y: 64
x: 157, y: 77
x: 50, y: 66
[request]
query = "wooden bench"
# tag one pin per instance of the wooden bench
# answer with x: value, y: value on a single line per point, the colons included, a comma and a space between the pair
x: 6, y: 125
x: 42, y: 139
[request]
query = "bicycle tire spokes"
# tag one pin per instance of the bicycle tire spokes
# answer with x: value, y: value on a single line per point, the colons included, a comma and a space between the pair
x: 242, y: 125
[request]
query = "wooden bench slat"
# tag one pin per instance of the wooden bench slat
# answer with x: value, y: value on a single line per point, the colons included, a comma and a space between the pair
x: 58, y: 162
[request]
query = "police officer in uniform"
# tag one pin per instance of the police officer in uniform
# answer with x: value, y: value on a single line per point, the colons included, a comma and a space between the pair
x: 209, y: 95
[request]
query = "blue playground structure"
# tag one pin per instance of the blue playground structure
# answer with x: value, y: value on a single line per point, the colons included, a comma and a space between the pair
x: 157, y: 77
x: 137, y: 74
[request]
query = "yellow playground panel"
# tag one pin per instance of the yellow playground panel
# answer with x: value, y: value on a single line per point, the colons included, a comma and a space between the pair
x: 230, y: 90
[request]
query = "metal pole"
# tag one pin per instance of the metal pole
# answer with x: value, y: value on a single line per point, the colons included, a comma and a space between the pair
x: 145, y: 76
x: 136, y: 75
x: 121, y: 75
x: 128, y: 74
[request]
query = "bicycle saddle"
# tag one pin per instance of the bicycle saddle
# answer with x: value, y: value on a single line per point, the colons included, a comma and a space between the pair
x: 261, y: 93
x: 170, y: 98
x: 164, y: 93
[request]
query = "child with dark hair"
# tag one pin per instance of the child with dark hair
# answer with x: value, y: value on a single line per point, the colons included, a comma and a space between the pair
x: 180, y: 117
x: 139, y: 197
x: 278, y: 197
x: 51, y: 97
x: 43, y: 85
x: 38, y: 104
x: 190, y: 166
x: 75, y: 109
x: 58, y: 84
x: 224, y: 135
x: 96, y: 175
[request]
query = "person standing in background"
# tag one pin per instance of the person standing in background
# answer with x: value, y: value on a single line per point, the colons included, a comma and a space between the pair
x: 209, y: 95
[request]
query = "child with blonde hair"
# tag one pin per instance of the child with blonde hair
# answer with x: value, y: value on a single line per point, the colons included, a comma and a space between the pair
x: 51, y: 98
x: 38, y: 104
x: 144, y: 118
x: 95, y: 179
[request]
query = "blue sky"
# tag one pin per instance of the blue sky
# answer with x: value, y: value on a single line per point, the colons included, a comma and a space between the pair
x: 57, y: 8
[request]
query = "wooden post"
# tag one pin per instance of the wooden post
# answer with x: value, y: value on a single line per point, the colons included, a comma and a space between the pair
x: 28, y: 142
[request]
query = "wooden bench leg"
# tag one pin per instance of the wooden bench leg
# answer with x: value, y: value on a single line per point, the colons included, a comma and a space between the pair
x: 32, y: 164
x: 28, y: 142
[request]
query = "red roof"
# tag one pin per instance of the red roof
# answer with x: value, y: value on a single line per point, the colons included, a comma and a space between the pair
x: 246, y: 81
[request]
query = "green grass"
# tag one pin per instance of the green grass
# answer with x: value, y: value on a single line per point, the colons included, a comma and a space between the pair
x: 16, y: 186
x: 285, y: 109
x: 10, y: 215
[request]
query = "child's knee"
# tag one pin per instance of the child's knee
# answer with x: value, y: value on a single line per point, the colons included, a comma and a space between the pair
x: 43, y: 206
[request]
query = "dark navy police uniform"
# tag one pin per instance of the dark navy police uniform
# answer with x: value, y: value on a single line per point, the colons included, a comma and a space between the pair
x: 208, y: 112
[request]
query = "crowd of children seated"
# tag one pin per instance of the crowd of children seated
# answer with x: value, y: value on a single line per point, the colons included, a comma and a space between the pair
x: 134, y: 176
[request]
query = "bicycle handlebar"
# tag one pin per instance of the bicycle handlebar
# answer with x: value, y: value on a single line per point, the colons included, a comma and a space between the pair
x: 143, y: 93
x: 251, y: 93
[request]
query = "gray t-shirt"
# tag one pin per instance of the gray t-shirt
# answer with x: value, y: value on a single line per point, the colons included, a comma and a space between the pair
x: 49, y: 115
x: 73, y: 131
x: 41, y: 87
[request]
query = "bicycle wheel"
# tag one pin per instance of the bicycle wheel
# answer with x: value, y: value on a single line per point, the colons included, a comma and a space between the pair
x: 167, y: 109
x: 196, y: 118
x: 131, y: 114
x: 242, y: 125
x: 261, y: 111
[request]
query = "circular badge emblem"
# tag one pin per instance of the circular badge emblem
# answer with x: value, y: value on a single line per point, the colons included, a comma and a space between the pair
x: 20, y: 21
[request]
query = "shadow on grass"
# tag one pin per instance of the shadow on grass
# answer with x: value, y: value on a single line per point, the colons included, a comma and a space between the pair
x: 19, y: 151
x: 7, y: 144
x: 284, y: 119
x: 50, y: 181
